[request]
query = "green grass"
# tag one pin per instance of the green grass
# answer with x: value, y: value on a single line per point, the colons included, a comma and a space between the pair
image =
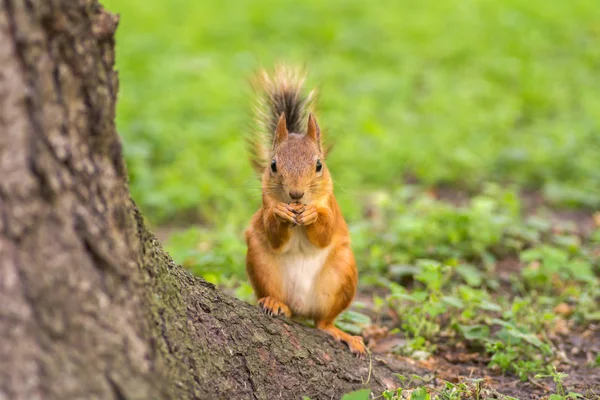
x: 448, y: 92
x: 488, y: 97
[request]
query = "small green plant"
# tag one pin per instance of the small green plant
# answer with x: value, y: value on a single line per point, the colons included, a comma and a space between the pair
x: 421, y: 324
x: 561, y: 390
x: 392, y: 394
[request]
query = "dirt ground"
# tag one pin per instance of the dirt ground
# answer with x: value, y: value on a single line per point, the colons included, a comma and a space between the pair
x: 456, y: 363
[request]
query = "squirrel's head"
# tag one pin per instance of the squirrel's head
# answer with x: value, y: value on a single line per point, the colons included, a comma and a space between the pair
x: 297, y: 172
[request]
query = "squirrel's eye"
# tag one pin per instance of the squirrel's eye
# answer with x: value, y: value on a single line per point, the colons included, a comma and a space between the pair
x: 319, y: 166
x: 273, y: 166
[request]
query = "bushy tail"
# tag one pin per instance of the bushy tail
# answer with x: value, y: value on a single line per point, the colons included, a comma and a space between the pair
x: 278, y: 93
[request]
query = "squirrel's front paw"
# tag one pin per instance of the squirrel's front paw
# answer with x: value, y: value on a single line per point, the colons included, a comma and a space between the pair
x: 274, y: 307
x: 296, y: 208
x: 283, y: 212
x: 308, y: 216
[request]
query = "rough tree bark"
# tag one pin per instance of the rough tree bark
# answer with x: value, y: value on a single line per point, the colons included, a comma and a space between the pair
x: 90, y: 304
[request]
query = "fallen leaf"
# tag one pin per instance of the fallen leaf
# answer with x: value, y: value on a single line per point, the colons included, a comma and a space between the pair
x: 563, y: 309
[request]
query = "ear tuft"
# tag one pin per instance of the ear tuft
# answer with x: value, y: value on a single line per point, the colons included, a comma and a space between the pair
x: 281, y: 132
x: 313, y: 131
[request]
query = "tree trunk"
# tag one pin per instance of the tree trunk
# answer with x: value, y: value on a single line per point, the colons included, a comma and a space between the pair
x: 90, y: 304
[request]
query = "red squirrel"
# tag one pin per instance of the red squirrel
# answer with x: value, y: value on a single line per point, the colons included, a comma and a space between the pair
x: 299, y: 260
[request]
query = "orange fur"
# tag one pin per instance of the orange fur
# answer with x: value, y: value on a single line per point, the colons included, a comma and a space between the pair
x: 299, y: 259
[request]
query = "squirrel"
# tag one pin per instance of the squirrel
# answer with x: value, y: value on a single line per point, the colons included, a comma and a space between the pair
x: 299, y: 259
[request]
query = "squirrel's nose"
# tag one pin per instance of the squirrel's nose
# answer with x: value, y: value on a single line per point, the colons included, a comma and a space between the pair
x: 296, y: 194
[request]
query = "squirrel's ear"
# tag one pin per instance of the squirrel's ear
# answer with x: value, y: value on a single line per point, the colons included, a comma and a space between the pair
x: 281, y: 132
x: 313, y: 131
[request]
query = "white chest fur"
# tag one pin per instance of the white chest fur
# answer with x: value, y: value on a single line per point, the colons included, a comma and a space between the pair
x: 300, y: 263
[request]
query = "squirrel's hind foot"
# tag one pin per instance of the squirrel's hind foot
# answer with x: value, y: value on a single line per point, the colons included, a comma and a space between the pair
x: 354, y: 343
x: 274, y: 307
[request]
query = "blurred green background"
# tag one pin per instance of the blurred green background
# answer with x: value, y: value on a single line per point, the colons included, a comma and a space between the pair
x: 444, y: 93
x: 450, y: 120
